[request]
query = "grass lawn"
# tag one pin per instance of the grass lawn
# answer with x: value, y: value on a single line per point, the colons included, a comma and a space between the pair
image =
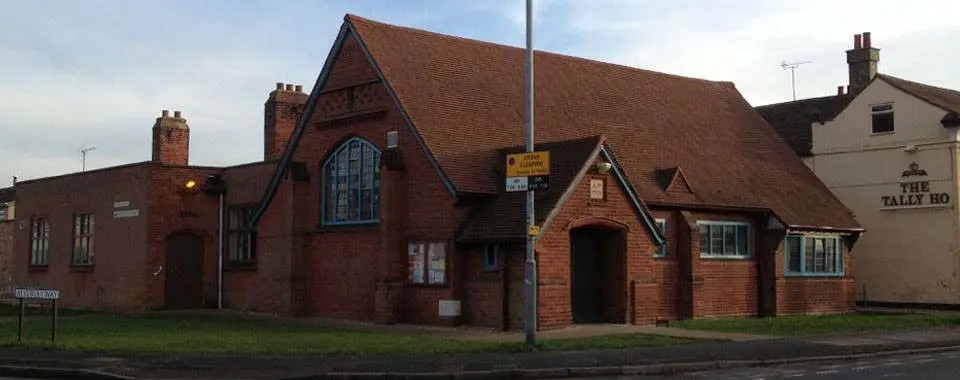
x: 237, y: 334
x: 806, y: 325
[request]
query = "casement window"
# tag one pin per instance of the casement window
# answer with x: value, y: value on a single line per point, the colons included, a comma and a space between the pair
x: 242, y: 241
x: 724, y: 239
x: 662, y: 226
x: 813, y: 256
x: 39, y: 241
x: 351, y: 184
x: 882, y: 115
x: 490, y: 257
x: 83, y: 239
x: 427, y: 263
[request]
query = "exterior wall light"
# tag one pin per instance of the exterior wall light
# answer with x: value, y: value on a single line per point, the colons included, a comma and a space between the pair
x: 603, y: 167
x: 190, y: 184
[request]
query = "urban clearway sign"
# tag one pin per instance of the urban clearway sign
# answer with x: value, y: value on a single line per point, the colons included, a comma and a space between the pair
x: 37, y: 294
x: 528, y: 171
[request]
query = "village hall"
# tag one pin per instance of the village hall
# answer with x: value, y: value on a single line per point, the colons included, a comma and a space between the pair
x: 383, y: 196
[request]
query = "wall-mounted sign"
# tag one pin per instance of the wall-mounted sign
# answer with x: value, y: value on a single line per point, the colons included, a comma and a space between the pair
x: 915, y: 194
x: 126, y: 213
x: 596, y: 188
x: 121, y: 204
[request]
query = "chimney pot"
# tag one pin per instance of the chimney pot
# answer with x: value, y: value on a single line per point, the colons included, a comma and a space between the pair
x: 176, y: 114
x: 299, y: 88
x: 165, y: 113
x: 866, y: 39
x: 839, y: 90
x: 279, y: 85
x: 289, y: 87
x: 856, y: 41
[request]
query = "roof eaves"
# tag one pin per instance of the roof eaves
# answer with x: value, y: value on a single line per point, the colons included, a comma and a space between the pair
x: 893, y: 81
x: 638, y: 203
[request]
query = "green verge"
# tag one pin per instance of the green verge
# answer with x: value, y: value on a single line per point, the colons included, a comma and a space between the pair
x: 823, y: 324
x: 246, y: 335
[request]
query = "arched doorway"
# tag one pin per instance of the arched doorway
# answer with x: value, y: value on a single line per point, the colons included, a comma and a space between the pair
x: 597, y: 274
x: 183, y: 287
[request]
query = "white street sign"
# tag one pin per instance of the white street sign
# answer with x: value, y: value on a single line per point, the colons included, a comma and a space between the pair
x: 37, y: 294
x: 516, y: 183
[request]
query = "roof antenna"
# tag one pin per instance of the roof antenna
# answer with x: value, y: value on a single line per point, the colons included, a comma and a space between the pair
x: 793, y: 68
x: 83, y: 155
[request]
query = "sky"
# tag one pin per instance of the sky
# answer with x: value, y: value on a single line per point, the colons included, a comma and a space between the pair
x: 97, y: 73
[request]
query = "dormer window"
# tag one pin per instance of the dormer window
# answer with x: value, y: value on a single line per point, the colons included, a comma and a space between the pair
x: 882, y: 117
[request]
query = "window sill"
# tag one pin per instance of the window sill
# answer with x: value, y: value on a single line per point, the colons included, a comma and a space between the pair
x: 721, y: 257
x: 428, y: 286
x: 659, y: 257
x: 81, y: 268
x: 38, y: 268
x: 349, y: 227
x: 813, y: 275
x: 241, y: 265
x: 882, y: 133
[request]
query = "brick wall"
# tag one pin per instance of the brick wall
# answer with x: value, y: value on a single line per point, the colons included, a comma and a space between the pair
x: 266, y: 284
x: 342, y: 260
x: 173, y: 209
x: 115, y: 281
x: 815, y: 295
x: 553, y: 251
x: 723, y: 287
x: 7, y: 229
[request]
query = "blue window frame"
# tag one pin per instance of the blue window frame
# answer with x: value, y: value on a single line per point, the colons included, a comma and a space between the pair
x: 809, y: 255
x: 351, y: 184
x: 724, y: 240
x: 662, y: 226
x: 490, y: 257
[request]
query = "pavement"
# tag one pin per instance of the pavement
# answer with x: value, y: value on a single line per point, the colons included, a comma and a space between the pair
x: 21, y: 362
x: 934, y: 366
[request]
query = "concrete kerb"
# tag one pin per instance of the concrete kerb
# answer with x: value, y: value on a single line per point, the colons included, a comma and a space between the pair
x: 516, y: 373
x: 57, y: 373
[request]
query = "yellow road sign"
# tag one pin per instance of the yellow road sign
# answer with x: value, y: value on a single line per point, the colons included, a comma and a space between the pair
x: 534, y: 230
x: 528, y: 164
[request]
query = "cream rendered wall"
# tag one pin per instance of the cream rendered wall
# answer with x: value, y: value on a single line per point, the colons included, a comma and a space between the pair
x: 909, y: 253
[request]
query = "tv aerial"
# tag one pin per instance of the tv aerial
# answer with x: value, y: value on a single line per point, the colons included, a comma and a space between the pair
x: 793, y: 68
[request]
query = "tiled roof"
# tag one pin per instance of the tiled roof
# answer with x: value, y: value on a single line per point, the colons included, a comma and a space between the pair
x: 504, y: 217
x: 466, y: 99
x: 947, y: 99
x: 6, y: 194
x: 792, y: 120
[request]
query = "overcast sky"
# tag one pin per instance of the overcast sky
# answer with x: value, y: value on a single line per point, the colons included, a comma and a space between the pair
x: 96, y: 73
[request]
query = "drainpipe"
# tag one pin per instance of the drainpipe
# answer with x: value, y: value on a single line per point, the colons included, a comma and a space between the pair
x: 220, y: 254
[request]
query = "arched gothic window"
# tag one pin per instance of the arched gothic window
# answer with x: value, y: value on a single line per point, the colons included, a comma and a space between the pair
x: 351, y: 183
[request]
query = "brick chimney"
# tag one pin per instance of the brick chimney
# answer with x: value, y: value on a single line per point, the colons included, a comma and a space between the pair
x: 862, y: 61
x: 281, y: 111
x: 171, y: 139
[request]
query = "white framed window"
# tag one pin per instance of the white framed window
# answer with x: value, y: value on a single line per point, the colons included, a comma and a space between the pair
x: 242, y: 241
x: 83, y: 239
x: 662, y: 226
x: 810, y: 255
x: 724, y: 240
x: 882, y: 115
x: 39, y: 241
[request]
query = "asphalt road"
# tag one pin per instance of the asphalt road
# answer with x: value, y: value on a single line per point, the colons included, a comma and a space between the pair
x: 939, y: 366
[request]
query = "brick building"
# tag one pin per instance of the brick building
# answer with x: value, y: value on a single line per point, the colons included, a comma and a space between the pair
x: 381, y: 197
x: 7, y: 216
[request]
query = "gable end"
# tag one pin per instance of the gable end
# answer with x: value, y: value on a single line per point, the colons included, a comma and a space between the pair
x: 346, y: 29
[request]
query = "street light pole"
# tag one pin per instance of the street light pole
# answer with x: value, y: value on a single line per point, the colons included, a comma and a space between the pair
x: 530, y: 282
